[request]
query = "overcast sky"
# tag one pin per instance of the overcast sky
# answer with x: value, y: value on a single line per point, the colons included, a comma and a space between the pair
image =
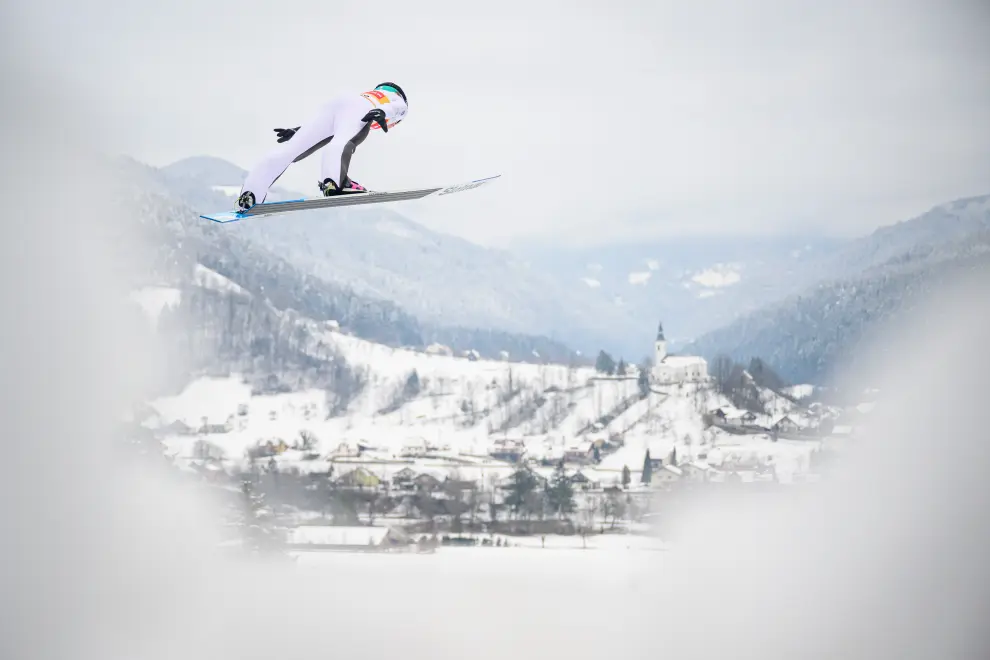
x: 605, y: 119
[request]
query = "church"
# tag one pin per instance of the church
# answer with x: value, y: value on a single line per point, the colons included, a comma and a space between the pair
x: 672, y: 369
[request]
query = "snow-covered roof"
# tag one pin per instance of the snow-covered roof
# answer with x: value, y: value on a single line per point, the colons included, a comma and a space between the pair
x: 597, y: 476
x: 798, y: 420
x: 802, y: 391
x: 547, y: 452
x: 683, y: 361
x: 210, y: 279
x: 437, y: 473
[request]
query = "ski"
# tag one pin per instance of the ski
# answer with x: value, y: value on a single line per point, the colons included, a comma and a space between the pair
x: 344, y: 199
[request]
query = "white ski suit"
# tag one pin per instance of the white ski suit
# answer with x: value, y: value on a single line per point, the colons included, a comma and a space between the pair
x: 339, y: 126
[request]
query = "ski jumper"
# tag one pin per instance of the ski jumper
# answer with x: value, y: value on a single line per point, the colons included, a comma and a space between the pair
x: 340, y: 126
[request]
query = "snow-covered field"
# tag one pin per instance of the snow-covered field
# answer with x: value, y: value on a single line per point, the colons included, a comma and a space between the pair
x: 620, y: 560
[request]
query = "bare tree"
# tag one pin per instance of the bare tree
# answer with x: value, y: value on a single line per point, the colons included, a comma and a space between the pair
x: 307, y: 440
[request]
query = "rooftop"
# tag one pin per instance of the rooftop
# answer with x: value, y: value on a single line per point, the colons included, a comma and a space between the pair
x: 683, y: 360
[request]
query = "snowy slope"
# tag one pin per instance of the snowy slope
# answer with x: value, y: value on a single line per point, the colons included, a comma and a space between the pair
x: 459, y: 411
x: 165, y: 204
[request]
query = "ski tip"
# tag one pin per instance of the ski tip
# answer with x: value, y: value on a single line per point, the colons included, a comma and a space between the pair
x: 470, y: 185
x: 234, y: 216
x: 224, y: 217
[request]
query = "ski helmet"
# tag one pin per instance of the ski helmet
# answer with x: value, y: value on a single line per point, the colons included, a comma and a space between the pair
x: 392, y: 87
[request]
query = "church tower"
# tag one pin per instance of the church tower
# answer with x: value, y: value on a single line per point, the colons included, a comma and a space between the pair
x: 660, y: 346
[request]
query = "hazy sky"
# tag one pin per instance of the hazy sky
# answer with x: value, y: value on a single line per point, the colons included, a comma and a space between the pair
x: 633, y: 118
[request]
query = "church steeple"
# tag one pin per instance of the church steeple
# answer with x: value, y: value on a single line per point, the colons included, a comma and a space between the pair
x: 660, y: 345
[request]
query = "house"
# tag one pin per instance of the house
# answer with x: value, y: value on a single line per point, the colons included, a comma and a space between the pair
x: 550, y: 455
x: 507, y: 455
x: 414, y: 449
x: 359, y: 478
x: 697, y: 471
x: 668, y: 473
x: 793, y: 424
x: 582, y: 453
x: 426, y: 482
x: 583, y: 481
x: 510, y: 451
x: 210, y: 425
x: 785, y: 425
x: 730, y: 416
x: 178, y: 427
x: 276, y: 446
x: 266, y: 449
x: 358, y: 539
x: 345, y: 450
x: 665, y: 476
x: 403, y: 479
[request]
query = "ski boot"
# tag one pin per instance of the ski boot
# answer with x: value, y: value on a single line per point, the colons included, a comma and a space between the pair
x: 329, y: 188
x: 245, y: 201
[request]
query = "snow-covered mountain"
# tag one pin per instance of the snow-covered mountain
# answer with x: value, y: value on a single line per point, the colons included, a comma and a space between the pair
x: 693, y: 284
x: 444, y: 281
x: 701, y: 285
x: 186, y: 246
x: 609, y: 296
x: 604, y: 297
x: 857, y: 289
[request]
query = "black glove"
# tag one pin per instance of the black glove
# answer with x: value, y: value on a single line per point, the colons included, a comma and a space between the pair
x: 378, y: 116
x: 284, y: 134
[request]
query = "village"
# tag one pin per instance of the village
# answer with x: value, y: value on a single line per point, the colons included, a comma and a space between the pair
x: 624, y: 448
